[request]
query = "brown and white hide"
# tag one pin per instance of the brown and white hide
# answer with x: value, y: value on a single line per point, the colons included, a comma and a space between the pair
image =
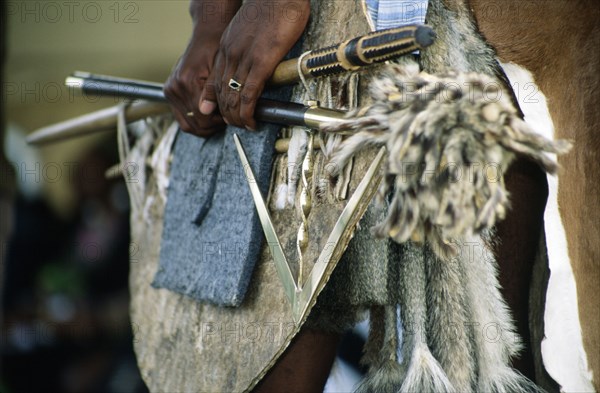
x: 553, y: 46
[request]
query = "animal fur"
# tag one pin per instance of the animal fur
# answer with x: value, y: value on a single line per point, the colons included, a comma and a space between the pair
x: 449, y: 145
x: 449, y: 328
x: 386, y: 372
x: 423, y: 372
x: 558, y: 41
x: 436, y: 125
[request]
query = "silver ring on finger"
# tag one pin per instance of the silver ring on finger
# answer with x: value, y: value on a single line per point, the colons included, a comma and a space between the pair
x: 234, y: 85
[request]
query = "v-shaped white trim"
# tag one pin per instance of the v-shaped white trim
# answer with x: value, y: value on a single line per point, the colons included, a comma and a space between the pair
x: 301, y: 296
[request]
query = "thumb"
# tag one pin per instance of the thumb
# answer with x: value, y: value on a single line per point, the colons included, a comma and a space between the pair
x: 208, y: 98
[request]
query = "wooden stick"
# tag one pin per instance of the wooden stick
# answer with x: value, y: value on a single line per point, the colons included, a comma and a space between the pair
x: 102, y: 120
x: 350, y: 55
x: 270, y: 111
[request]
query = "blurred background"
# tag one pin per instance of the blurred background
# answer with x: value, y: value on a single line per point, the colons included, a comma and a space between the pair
x: 64, y: 230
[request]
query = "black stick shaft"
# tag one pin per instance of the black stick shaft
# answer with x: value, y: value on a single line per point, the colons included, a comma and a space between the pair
x: 270, y: 111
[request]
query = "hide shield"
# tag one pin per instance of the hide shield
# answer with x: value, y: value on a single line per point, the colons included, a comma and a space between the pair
x: 186, y: 345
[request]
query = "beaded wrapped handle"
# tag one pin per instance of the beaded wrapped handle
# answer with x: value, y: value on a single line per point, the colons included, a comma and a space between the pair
x: 358, y: 52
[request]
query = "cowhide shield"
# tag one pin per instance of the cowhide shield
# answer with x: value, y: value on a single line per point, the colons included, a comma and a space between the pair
x: 184, y: 345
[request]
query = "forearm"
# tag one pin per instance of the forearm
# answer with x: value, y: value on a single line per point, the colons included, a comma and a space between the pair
x: 213, y: 11
x: 250, y: 49
x: 186, y: 82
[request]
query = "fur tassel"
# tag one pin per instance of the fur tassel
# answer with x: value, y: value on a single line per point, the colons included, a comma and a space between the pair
x: 449, y: 332
x: 423, y: 372
x: 506, y: 380
x: 373, y: 346
x: 385, y: 378
x: 496, y: 339
x: 386, y: 373
x: 449, y: 139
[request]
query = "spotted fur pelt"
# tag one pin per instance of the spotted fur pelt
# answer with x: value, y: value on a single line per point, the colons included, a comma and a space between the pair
x: 450, y: 138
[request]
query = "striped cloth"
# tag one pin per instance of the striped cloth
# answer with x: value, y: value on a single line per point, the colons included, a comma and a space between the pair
x: 385, y: 14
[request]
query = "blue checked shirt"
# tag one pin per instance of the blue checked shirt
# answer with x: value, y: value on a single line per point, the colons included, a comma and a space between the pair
x: 385, y: 14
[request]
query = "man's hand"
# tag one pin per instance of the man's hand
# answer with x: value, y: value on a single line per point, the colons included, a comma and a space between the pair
x: 256, y: 40
x: 186, y: 82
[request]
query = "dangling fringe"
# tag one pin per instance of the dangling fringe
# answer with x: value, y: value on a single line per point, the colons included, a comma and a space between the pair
x: 495, y: 337
x: 133, y: 161
x: 160, y: 160
x: 449, y: 329
x: 384, y: 378
x: 374, y: 344
x: 296, y: 152
x: 450, y: 138
x: 448, y: 146
x: 386, y: 374
x: 417, y: 370
x: 151, y: 152
x: 423, y: 372
x: 458, y: 335
x: 330, y: 143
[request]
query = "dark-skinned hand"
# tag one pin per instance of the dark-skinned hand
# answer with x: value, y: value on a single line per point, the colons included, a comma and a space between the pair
x: 186, y: 82
x: 257, y: 39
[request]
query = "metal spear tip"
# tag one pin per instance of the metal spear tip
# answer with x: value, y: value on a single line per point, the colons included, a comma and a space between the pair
x: 424, y: 36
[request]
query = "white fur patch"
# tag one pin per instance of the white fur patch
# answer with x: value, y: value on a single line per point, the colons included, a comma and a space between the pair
x: 562, y: 350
